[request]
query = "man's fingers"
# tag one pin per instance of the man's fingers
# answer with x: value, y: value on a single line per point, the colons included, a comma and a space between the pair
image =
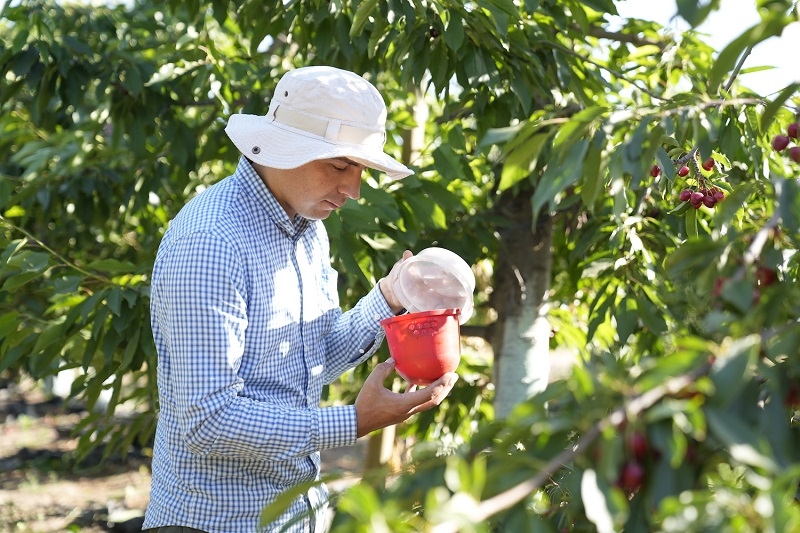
x: 432, y: 395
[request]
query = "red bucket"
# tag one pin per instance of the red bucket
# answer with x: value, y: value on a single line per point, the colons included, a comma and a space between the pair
x: 424, y: 345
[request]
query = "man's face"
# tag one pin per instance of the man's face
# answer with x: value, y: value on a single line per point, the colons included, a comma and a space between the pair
x: 315, y: 189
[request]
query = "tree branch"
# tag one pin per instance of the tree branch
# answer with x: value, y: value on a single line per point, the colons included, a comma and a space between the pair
x: 738, y: 67
x: 621, y: 37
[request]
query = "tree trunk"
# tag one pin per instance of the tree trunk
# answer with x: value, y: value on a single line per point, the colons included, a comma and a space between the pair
x: 522, y: 279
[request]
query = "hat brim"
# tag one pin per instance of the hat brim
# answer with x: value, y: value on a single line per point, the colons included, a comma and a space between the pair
x: 277, y: 146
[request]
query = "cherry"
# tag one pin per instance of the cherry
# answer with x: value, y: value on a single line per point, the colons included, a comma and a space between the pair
x: 766, y: 276
x: 794, y: 154
x: 709, y: 201
x: 631, y: 477
x: 718, y: 284
x: 708, y: 164
x: 792, y: 399
x: 655, y: 171
x: 638, y: 445
x: 685, y: 195
x: 779, y: 142
x: 791, y: 130
x: 717, y: 194
x: 684, y: 171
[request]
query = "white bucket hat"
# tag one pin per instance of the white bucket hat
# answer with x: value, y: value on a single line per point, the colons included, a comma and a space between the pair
x: 318, y: 113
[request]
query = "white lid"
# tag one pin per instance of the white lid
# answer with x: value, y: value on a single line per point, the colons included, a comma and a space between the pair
x: 436, y: 278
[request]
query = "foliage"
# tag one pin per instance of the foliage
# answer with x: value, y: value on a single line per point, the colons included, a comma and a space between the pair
x: 685, y: 319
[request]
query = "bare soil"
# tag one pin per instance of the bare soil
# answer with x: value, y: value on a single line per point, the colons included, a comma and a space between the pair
x: 41, y: 489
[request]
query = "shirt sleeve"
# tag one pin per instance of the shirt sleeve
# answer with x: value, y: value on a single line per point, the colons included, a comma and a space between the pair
x: 346, y: 350
x: 202, y: 311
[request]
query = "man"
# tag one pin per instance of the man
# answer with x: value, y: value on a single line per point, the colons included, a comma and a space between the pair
x: 246, y: 316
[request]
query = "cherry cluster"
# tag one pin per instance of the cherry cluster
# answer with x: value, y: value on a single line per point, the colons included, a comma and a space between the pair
x: 780, y: 142
x: 703, y: 196
x: 703, y: 193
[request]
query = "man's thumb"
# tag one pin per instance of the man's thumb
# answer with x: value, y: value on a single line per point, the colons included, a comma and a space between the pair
x: 382, y: 370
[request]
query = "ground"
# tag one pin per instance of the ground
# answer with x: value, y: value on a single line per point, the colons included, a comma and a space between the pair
x: 38, y: 494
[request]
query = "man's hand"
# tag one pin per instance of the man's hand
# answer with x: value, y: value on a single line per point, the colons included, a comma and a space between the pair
x: 387, y: 284
x: 377, y: 407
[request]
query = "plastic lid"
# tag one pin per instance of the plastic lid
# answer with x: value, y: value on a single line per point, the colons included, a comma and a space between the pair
x: 436, y: 278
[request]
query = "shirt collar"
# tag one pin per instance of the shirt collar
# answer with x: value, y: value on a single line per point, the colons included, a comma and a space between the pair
x: 259, y: 191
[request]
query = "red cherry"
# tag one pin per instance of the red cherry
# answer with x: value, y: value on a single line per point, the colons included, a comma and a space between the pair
x: 718, y: 284
x: 631, y: 477
x: 638, y: 445
x: 792, y: 399
x: 794, y: 154
x: 718, y: 195
x: 685, y: 195
x: 779, y: 142
x: 655, y: 171
x: 791, y: 130
x: 765, y: 276
x: 697, y: 197
x: 684, y: 171
x: 708, y: 164
x: 709, y: 201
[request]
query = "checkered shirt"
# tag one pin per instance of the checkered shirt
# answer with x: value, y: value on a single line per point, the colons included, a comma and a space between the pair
x: 246, y: 320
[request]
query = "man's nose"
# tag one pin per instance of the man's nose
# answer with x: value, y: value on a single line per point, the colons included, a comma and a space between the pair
x: 351, y: 185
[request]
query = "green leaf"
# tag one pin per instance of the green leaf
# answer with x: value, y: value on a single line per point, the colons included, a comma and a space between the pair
x: 15, y: 211
x: 691, y: 223
x: 729, y: 371
x: 594, y: 170
x: 276, y: 508
x: 12, y: 248
x: 114, y: 300
x: 788, y: 192
x: 651, y: 316
x: 694, y: 12
x: 738, y: 438
x: 680, y: 209
x: 15, y: 282
x: 113, y: 266
x: 22, y: 62
x: 500, y: 135
x: 557, y: 178
x: 692, y: 256
x: 772, y: 108
x: 132, y: 80
x: 8, y: 322
x: 361, y: 17
x: 447, y: 163
x: 739, y: 294
x: 51, y: 334
x: 521, y: 161
x: 28, y: 261
x: 576, y: 127
x: 454, y: 32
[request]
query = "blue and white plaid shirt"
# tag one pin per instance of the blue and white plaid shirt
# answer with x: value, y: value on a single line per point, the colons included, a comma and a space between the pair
x: 246, y: 320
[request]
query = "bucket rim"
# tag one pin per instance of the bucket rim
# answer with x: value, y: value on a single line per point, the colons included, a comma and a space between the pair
x: 453, y: 311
